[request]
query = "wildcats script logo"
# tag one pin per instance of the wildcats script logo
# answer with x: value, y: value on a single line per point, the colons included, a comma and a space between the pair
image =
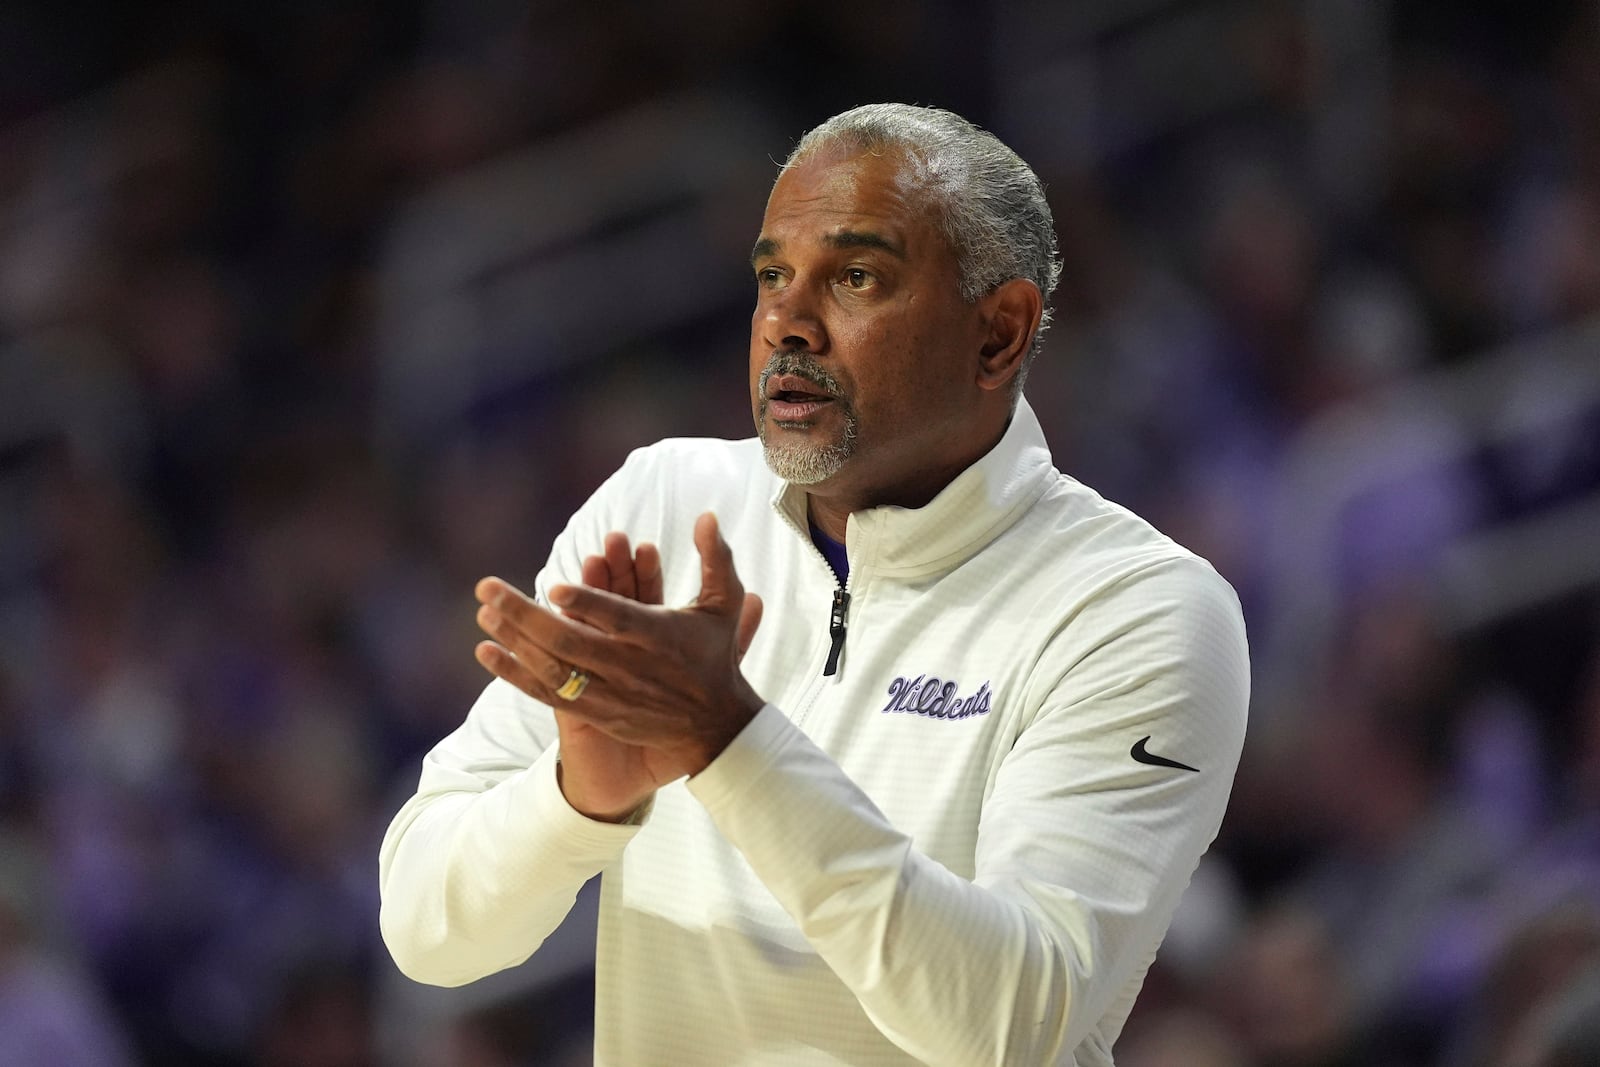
x: 934, y: 698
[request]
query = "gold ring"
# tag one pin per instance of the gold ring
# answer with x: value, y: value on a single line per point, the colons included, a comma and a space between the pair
x: 573, y: 687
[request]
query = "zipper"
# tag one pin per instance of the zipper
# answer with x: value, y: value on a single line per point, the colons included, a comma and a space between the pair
x: 841, y: 600
x: 836, y: 617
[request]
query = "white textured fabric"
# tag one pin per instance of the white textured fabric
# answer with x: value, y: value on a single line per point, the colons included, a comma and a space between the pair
x: 967, y: 869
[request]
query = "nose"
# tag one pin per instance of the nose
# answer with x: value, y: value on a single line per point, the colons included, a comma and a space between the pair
x: 788, y: 318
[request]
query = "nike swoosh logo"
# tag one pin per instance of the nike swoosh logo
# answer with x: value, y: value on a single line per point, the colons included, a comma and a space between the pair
x: 1144, y: 755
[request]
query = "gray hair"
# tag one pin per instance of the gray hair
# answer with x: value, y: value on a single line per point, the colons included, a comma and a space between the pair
x: 990, y: 204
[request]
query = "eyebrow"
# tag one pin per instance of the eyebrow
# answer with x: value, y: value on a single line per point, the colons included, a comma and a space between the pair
x: 864, y: 239
x: 766, y: 246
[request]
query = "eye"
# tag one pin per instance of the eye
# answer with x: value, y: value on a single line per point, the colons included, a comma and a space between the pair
x: 769, y: 277
x: 857, y: 278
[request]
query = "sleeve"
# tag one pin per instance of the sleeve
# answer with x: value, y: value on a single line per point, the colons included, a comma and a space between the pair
x: 487, y: 857
x: 1082, y: 850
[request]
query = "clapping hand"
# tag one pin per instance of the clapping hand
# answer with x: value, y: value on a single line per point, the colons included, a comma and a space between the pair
x: 664, y: 694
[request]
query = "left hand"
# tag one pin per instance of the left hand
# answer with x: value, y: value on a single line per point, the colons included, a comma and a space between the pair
x: 666, y: 679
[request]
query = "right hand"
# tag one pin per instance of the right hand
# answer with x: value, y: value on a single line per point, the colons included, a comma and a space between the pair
x: 602, y: 777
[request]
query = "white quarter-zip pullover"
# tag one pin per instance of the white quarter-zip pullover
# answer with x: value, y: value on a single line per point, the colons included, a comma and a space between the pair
x: 960, y: 847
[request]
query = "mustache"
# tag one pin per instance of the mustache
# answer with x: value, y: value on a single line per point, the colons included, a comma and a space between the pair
x: 799, y: 364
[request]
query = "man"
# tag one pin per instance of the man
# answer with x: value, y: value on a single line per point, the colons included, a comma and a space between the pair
x: 929, y: 792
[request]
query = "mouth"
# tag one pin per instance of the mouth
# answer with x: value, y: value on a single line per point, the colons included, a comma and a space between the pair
x: 790, y: 398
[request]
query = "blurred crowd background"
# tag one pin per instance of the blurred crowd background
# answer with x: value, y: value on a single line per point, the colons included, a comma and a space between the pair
x: 313, y: 313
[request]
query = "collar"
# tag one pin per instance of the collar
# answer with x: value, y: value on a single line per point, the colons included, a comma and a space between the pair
x: 975, y: 508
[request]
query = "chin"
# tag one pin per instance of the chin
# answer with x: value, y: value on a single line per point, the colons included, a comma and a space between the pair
x: 802, y: 462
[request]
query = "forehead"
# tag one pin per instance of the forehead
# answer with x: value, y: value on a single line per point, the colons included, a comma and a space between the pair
x: 837, y: 189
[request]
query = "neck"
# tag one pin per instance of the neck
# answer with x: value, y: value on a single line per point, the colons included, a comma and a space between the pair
x: 829, y: 516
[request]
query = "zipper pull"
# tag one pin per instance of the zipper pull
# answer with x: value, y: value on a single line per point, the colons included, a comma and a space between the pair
x: 841, y: 604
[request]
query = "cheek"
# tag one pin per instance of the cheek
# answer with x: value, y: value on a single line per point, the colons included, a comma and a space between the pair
x: 755, y: 393
x: 887, y: 379
x: 920, y: 380
x: 758, y: 352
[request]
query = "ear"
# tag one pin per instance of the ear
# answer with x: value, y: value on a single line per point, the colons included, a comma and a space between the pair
x: 1012, y: 312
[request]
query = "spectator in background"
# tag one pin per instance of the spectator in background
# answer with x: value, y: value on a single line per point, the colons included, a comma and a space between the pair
x: 1543, y: 974
x: 50, y: 1012
x: 1566, y: 1031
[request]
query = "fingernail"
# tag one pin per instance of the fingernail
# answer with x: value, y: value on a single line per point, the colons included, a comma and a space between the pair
x: 561, y: 595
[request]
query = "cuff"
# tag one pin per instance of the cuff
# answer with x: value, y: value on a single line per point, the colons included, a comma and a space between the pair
x: 745, y: 759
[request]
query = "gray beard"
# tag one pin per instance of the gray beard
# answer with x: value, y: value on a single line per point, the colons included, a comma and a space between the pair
x: 803, y: 463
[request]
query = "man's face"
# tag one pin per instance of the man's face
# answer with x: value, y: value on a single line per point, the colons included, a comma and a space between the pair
x: 863, y: 354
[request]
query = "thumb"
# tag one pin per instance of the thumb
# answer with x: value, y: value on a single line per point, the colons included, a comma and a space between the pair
x: 749, y: 620
x: 720, y: 588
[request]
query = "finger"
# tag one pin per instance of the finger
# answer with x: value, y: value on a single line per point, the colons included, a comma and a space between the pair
x: 595, y: 572
x: 610, y: 614
x: 490, y: 589
x: 720, y: 589
x: 548, y: 641
x: 511, y: 603
x: 749, y: 620
x: 619, y: 561
x: 504, y: 605
x: 539, y: 681
x: 499, y: 661
x: 647, y: 564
